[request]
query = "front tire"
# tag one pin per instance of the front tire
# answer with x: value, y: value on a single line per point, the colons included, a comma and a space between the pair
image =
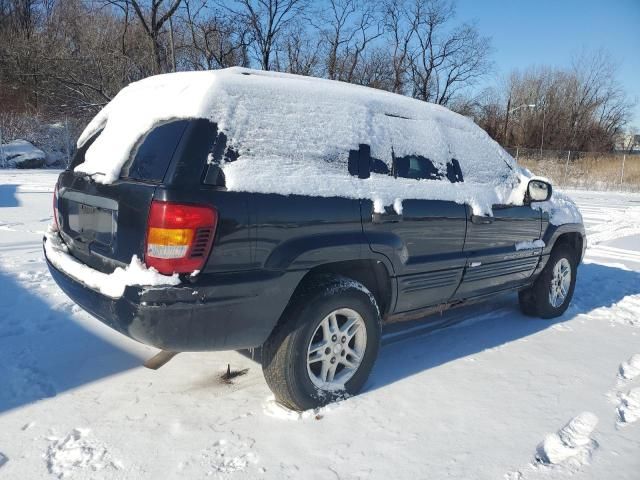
x: 551, y: 293
x: 324, y: 346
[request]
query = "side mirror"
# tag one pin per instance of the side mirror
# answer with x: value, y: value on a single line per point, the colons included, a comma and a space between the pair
x: 538, y: 191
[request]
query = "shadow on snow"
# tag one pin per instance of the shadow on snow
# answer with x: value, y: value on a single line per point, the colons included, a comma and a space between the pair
x: 8, y: 196
x: 44, y: 351
x: 412, y: 348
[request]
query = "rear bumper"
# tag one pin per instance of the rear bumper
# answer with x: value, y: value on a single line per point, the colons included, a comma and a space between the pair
x: 236, y: 313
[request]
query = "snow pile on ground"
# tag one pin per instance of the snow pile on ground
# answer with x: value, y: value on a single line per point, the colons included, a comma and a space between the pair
x: 273, y: 409
x: 112, y: 284
x: 631, y: 368
x: 77, y: 451
x: 225, y: 457
x: 572, y: 443
x: 21, y: 154
x: 629, y: 407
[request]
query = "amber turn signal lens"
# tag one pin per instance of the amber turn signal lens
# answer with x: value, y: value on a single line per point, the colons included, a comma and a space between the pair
x: 170, y: 236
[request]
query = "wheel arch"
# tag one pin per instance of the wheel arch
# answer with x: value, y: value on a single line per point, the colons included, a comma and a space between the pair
x: 371, y: 273
x: 572, y: 239
x: 571, y: 234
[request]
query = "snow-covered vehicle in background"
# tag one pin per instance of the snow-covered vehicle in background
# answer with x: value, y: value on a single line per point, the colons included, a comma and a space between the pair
x: 239, y: 209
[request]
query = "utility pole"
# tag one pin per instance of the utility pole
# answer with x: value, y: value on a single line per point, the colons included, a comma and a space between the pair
x: 67, y: 140
x: 513, y: 110
x: 506, y: 122
x: 566, y: 168
x: 544, y: 114
x: 2, y: 158
x: 173, y: 47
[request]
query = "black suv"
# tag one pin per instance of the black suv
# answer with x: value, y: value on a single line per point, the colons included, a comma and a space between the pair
x: 310, y: 279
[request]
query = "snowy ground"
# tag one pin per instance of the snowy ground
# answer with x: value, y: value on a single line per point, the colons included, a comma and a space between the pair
x: 479, y: 399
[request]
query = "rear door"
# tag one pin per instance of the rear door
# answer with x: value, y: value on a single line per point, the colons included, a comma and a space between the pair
x: 424, y: 238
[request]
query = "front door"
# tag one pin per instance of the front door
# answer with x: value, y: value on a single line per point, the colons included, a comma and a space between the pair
x: 500, y: 251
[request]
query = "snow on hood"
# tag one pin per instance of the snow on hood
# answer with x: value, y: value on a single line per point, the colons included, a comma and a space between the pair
x: 561, y: 209
x: 293, y: 135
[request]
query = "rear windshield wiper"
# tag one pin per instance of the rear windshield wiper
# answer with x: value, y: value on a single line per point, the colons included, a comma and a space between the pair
x: 90, y: 176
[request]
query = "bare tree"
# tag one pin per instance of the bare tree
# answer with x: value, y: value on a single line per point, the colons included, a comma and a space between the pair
x: 347, y: 30
x: 216, y: 39
x: 445, y: 59
x: 152, y: 15
x: 266, y: 20
x: 401, y: 26
x: 73, y: 56
x: 301, y: 53
x: 579, y: 108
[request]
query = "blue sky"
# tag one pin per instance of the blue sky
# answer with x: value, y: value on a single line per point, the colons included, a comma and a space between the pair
x: 546, y: 32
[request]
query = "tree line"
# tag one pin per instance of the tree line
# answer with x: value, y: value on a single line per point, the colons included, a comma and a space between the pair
x: 72, y: 56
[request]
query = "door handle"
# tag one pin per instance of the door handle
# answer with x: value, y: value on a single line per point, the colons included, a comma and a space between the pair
x: 386, y: 218
x: 481, y: 219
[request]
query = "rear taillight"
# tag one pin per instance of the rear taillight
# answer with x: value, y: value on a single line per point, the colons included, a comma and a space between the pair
x: 55, y: 206
x: 179, y: 236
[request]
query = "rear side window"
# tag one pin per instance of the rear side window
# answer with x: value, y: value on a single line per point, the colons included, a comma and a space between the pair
x: 150, y: 160
x: 417, y: 168
x: 421, y: 168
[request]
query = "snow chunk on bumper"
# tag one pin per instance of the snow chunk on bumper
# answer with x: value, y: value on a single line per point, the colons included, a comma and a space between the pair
x: 112, y: 284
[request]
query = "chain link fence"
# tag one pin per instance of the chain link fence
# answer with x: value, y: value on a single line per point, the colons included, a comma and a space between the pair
x: 583, y: 170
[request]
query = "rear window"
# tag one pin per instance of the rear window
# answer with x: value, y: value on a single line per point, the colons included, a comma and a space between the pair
x: 150, y: 160
x: 78, y: 157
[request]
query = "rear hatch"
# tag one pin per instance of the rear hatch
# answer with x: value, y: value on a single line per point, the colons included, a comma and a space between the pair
x: 104, y: 226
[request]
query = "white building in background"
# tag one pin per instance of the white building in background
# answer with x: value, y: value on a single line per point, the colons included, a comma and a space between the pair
x: 628, y: 142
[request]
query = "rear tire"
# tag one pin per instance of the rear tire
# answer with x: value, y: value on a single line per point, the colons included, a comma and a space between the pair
x: 551, y: 293
x: 325, y: 345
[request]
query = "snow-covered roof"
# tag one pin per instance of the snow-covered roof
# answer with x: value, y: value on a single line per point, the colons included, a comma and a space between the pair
x: 275, y: 114
x: 293, y: 135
